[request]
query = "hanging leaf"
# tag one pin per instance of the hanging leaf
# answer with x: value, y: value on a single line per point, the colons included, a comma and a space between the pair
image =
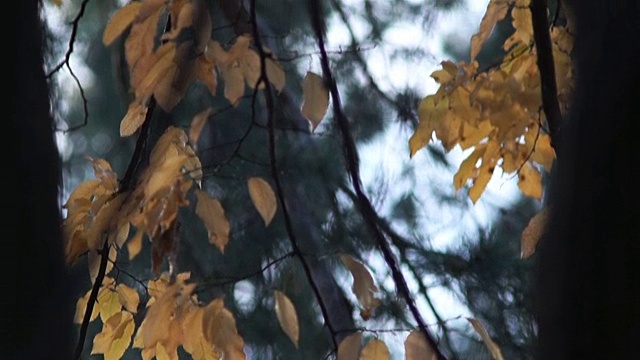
x: 133, y: 119
x: 349, y: 347
x: 275, y: 73
x: 220, y: 330
x: 417, y: 348
x: 530, y: 181
x: 493, y: 348
x: 315, y: 99
x: 287, y: 316
x: 533, y: 232
x: 212, y: 215
x: 375, y: 350
x: 128, y: 297
x: 364, y: 286
x: 263, y: 198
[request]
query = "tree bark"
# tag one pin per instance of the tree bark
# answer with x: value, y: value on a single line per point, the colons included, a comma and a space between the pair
x: 588, y: 281
x: 38, y: 325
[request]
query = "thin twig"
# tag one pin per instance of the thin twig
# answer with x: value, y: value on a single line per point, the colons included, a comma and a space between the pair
x: 93, y: 297
x: 364, y: 204
x: 276, y: 177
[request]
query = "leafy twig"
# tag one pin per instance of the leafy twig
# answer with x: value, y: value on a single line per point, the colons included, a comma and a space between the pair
x: 93, y: 297
x: 363, y: 204
x: 276, y: 177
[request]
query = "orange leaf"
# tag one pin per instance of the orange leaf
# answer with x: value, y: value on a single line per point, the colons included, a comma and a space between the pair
x: 349, y: 348
x: 315, y: 99
x: 375, y: 349
x: 533, y: 232
x: 493, y: 348
x: 417, y: 348
x: 364, y: 286
x: 134, y: 118
x: 263, y: 198
x: 287, y: 317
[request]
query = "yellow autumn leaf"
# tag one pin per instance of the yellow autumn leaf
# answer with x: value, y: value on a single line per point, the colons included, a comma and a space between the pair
x: 430, y: 117
x: 287, y: 316
x: 349, y: 348
x: 315, y: 99
x: 416, y: 347
x: 81, y: 308
x: 493, y: 348
x: 485, y: 171
x: 220, y: 330
x: 533, y: 232
x: 197, y: 124
x: 212, y: 215
x: 109, y: 302
x: 263, y: 198
x: 136, y: 114
x: 530, y: 181
x: 375, y: 349
x: 364, y: 287
x: 94, y: 258
x: 154, y: 327
x: 115, y: 337
x: 128, y: 297
x: 468, y: 167
x: 496, y: 11
x: 120, y: 21
x: 135, y: 244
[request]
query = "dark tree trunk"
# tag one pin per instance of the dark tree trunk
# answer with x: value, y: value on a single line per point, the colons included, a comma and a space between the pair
x: 37, y: 320
x: 589, y: 278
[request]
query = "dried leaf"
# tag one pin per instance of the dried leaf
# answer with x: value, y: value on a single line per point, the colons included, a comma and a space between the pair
x: 194, y: 340
x: 533, y: 232
x: 212, y: 215
x: 375, y: 349
x: 315, y: 99
x: 349, y: 348
x: 364, y: 286
x: 493, y: 348
x: 275, y: 74
x: 120, y: 21
x: 287, y: 316
x: 263, y: 198
x: 417, y: 348
x: 135, y: 244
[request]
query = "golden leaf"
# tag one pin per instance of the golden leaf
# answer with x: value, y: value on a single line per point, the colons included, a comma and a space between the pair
x: 161, y: 68
x: 136, y: 114
x: 429, y: 114
x: 220, y: 330
x: 496, y: 11
x: 417, y: 348
x: 263, y: 198
x: 468, y: 167
x: 375, y: 350
x: 154, y: 327
x: 315, y: 99
x: 109, y: 301
x: 533, y: 232
x: 115, y: 337
x: 349, y: 348
x: 287, y: 316
x: 81, y: 308
x: 120, y: 21
x: 140, y: 43
x: 128, y: 297
x: 530, y: 181
x: 493, y: 348
x: 212, y: 215
x: 364, y: 286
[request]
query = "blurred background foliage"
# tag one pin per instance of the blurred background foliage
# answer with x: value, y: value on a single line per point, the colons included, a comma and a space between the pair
x: 474, y: 272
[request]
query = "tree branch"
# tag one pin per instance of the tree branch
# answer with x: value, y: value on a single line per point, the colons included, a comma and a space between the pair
x: 351, y: 157
x: 546, y: 69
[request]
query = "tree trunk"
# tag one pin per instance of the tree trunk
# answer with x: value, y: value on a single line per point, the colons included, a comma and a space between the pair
x: 39, y: 324
x: 588, y: 304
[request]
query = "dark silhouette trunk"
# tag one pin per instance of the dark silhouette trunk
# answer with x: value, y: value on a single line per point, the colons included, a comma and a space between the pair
x: 37, y: 320
x: 588, y: 270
